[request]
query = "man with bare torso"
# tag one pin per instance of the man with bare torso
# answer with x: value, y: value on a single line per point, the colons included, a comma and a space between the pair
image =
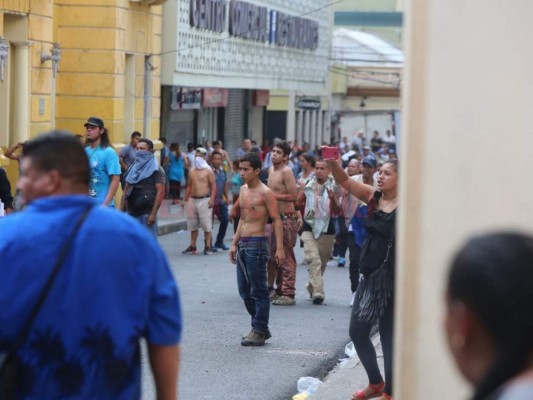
x: 201, y: 190
x: 249, y: 249
x: 282, y: 183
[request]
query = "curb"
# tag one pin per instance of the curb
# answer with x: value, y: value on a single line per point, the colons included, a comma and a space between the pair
x: 342, y: 381
x: 166, y: 227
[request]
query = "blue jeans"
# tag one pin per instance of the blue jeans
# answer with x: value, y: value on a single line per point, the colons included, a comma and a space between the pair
x: 143, y: 219
x: 221, y: 212
x: 252, y: 259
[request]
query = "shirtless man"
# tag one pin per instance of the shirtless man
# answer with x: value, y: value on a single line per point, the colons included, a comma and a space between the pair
x: 201, y: 189
x: 249, y: 249
x: 282, y: 183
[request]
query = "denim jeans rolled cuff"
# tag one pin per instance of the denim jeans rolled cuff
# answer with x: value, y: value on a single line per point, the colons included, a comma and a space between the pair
x: 252, y: 257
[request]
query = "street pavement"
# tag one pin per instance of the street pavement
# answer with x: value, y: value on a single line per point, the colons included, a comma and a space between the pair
x: 308, y: 339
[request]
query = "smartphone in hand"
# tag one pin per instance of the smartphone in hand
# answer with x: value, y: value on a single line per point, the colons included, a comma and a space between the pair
x: 330, y: 153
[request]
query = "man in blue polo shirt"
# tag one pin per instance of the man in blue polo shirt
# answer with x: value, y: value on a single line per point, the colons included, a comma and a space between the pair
x: 113, y: 288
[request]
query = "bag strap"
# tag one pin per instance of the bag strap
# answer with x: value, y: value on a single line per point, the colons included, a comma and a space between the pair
x: 44, y: 293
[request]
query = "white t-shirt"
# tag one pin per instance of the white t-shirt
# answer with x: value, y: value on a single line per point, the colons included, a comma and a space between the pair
x: 390, y: 139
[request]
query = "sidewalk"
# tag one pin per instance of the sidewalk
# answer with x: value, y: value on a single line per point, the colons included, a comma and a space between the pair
x: 345, y: 380
x: 170, y: 218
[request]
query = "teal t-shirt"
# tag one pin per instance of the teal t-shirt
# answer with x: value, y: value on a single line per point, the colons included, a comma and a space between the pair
x: 104, y: 163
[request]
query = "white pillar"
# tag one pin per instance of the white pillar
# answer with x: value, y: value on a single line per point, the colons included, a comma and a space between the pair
x: 313, y: 130
x: 291, y: 117
x: 320, y: 128
x: 449, y: 192
x: 21, y: 92
x: 306, y: 126
x: 300, y: 133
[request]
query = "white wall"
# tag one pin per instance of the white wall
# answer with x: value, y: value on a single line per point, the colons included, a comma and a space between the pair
x: 194, y: 57
x: 466, y: 154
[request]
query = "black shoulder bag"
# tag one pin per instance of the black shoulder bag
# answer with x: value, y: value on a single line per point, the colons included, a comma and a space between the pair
x: 9, y: 363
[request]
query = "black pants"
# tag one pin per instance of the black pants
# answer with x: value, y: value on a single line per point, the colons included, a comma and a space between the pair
x: 175, y: 189
x: 342, y: 239
x: 360, y: 335
x: 355, y: 253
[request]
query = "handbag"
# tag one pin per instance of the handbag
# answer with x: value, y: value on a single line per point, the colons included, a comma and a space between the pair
x: 9, y: 363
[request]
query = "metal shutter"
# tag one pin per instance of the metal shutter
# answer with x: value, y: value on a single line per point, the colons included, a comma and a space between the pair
x: 180, y: 127
x: 235, y: 121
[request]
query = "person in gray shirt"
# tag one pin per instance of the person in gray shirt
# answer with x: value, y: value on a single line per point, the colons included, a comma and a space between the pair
x: 127, y: 153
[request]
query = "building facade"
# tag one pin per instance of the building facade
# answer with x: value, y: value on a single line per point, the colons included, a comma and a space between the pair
x: 222, y: 62
x: 65, y: 60
x: 383, y: 18
x: 366, y: 79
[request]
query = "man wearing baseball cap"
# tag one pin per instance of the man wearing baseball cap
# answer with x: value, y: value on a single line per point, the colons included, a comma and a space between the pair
x: 103, y: 161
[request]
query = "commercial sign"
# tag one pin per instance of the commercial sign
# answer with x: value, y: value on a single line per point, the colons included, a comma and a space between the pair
x: 308, y: 103
x: 214, y: 98
x: 260, y: 98
x: 185, y: 98
x: 250, y: 21
x: 208, y: 14
x: 286, y: 30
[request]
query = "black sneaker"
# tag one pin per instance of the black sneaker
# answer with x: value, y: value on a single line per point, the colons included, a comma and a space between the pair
x: 254, y: 338
x: 318, y: 299
x: 208, y: 251
x: 190, y: 250
x: 221, y: 246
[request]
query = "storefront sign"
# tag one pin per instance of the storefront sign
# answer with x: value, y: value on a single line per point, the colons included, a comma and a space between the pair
x: 260, y: 98
x: 308, y: 103
x: 208, y: 14
x: 214, y: 98
x: 186, y: 98
x: 296, y: 32
x: 248, y: 21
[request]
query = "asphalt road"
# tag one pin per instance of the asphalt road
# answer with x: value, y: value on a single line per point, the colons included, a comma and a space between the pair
x: 307, y: 339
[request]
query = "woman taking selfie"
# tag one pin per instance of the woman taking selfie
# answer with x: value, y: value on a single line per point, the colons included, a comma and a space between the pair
x: 374, y: 298
x: 489, y: 321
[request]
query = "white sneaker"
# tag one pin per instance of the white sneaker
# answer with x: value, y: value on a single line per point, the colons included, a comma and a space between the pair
x: 352, y: 300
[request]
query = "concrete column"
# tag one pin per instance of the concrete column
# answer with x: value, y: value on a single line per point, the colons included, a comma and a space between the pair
x: 455, y: 100
x: 313, y: 130
x: 306, y: 126
x: 21, y: 92
x: 320, y: 128
x: 300, y: 133
x: 291, y: 116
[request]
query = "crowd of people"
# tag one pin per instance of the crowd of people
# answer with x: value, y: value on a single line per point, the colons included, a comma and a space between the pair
x: 336, y: 201
x: 279, y: 194
x: 334, y: 205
